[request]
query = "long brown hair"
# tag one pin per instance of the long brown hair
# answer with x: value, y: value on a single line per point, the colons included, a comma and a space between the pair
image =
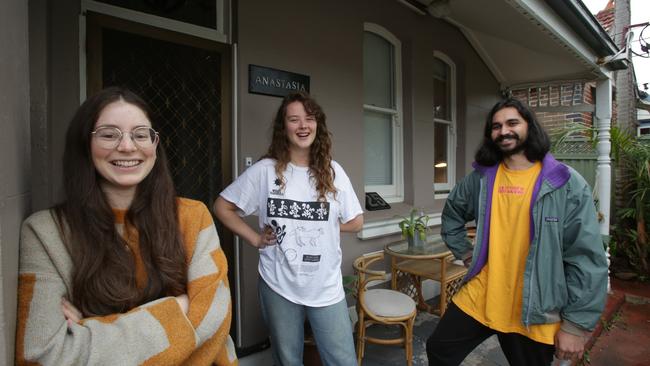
x: 103, y: 280
x: 320, y: 156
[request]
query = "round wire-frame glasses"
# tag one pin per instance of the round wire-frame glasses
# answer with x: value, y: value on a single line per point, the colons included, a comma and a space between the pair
x: 110, y: 137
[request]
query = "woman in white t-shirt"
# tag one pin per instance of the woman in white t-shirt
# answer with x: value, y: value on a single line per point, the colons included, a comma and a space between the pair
x: 303, y: 200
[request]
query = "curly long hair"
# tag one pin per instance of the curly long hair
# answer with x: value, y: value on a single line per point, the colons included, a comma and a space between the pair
x: 536, y: 146
x: 103, y: 280
x: 320, y: 156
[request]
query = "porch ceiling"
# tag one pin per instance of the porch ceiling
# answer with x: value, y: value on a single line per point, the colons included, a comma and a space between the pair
x: 527, y: 41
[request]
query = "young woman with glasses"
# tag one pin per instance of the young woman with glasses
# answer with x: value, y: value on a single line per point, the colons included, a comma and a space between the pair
x: 303, y: 200
x: 122, y: 272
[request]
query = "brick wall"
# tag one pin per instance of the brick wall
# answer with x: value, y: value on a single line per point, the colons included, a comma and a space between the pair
x: 559, y: 95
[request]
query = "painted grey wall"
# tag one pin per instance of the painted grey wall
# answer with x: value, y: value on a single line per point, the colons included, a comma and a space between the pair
x: 54, y: 91
x: 39, y: 117
x: 62, y: 87
x: 15, y: 192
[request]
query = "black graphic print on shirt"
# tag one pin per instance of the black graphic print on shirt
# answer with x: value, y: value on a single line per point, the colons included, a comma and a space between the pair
x: 305, y: 211
x: 303, y: 235
x: 278, y: 184
x: 279, y: 231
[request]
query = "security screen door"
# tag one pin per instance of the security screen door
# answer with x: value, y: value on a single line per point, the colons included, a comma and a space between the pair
x: 186, y: 82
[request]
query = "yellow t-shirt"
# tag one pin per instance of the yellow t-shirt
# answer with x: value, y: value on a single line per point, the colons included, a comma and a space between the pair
x: 494, y: 296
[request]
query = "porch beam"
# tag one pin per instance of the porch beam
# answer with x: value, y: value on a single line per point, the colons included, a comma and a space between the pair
x: 550, y: 21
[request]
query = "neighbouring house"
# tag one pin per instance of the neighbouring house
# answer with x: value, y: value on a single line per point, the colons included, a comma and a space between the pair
x: 643, y: 118
x: 643, y: 113
x: 406, y: 85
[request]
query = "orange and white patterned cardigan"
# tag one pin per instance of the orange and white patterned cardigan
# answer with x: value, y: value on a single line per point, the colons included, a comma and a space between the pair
x: 155, y: 333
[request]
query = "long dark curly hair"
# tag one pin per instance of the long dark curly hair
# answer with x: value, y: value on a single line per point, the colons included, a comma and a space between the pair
x: 535, y: 147
x: 320, y: 156
x: 103, y: 280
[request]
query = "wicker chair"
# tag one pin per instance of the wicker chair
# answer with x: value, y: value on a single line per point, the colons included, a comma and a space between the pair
x: 381, y: 306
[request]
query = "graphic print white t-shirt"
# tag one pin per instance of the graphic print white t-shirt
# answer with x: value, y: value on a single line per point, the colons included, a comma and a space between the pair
x: 305, y: 264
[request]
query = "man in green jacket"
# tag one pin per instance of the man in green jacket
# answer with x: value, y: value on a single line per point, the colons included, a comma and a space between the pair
x: 537, y: 274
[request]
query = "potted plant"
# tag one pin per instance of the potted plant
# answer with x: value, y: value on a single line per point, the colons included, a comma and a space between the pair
x: 414, y: 228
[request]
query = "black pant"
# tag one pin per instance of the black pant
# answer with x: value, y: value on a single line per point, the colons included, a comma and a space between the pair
x: 457, y: 334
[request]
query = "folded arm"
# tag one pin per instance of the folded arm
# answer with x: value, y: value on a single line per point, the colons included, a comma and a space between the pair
x: 44, y: 336
x: 209, y: 296
x: 158, y: 332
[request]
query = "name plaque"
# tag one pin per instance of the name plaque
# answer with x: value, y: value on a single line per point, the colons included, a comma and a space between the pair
x: 274, y: 82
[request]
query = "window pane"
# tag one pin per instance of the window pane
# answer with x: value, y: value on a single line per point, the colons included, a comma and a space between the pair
x: 377, y: 71
x: 378, y: 148
x: 440, y: 157
x: 441, y: 92
x: 199, y: 12
x: 644, y: 131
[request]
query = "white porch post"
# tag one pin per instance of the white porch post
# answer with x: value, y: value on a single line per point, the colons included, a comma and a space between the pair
x: 604, y: 146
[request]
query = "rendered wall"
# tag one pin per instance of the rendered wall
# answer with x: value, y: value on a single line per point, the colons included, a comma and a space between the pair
x: 15, y: 192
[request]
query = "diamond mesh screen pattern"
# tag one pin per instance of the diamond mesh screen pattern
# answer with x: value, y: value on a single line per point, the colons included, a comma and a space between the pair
x: 182, y: 86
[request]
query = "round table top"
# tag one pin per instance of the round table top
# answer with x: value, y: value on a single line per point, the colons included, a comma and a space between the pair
x: 432, y: 248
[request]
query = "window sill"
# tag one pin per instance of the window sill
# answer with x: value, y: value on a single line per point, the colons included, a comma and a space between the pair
x: 375, y: 228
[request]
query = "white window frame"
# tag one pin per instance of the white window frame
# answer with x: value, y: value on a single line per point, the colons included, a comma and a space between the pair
x: 392, y: 192
x: 443, y: 188
x: 642, y: 127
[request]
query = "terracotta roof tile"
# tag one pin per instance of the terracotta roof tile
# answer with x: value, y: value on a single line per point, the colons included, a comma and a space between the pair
x: 606, y: 18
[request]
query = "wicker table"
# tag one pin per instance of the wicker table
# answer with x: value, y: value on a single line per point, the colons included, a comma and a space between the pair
x: 409, y: 265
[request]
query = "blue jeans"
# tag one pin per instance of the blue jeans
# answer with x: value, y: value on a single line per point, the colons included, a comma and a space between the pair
x: 285, y: 320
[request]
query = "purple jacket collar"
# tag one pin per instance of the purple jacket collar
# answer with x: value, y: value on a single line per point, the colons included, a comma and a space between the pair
x: 553, y: 172
x: 556, y: 173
